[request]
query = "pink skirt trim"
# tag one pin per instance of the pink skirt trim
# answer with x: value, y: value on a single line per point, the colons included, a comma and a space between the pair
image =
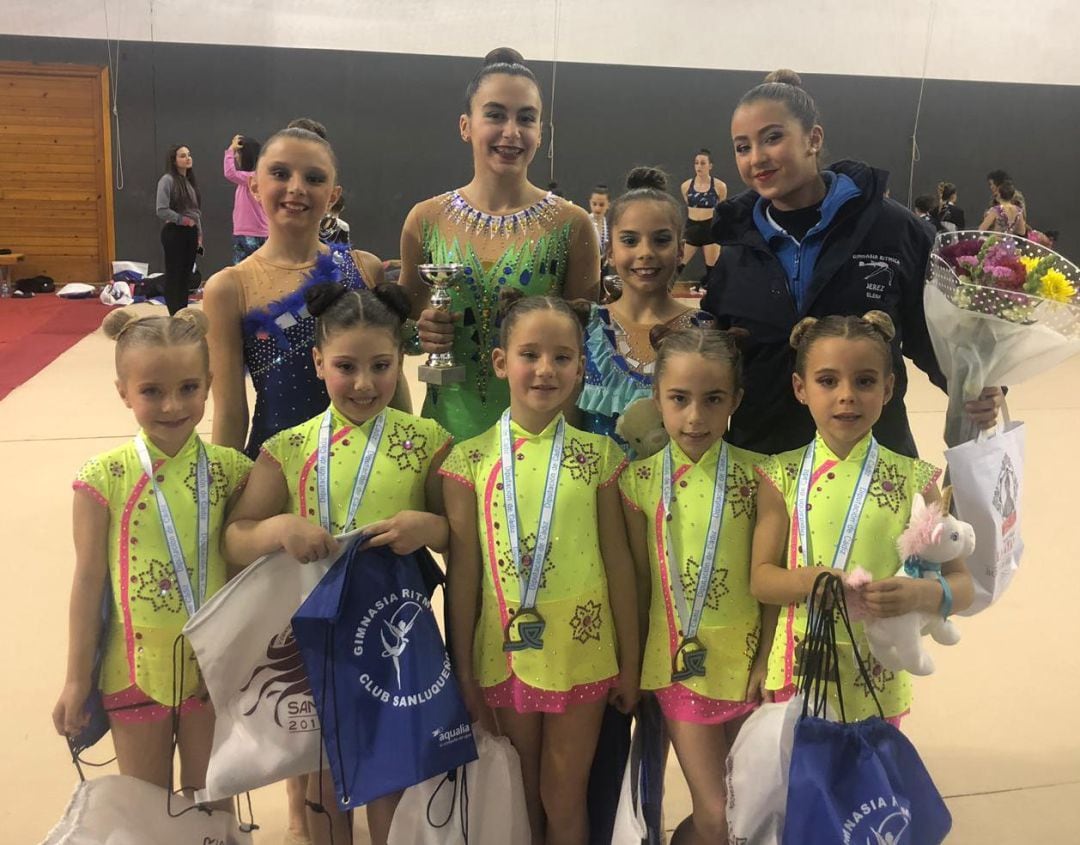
x: 517, y: 694
x: 132, y: 705
x: 787, y: 693
x: 682, y: 704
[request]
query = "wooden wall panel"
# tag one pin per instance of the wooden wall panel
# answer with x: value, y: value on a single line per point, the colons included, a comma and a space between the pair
x: 56, y: 170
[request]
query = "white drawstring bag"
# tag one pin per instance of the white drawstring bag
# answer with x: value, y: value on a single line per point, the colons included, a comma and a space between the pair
x: 631, y: 826
x: 266, y: 728
x: 121, y: 810
x: 757, y: 774
x: 482, y: 803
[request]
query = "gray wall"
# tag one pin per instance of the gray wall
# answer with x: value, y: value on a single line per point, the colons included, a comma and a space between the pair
x: 393, y: 121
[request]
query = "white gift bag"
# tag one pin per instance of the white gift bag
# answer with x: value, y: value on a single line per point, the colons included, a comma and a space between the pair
x: 631, y: 827
x: 482, y: 804
x: 121, y: 810
x: 266, y: 728
x: 987, y: 477
x: 757, y: 774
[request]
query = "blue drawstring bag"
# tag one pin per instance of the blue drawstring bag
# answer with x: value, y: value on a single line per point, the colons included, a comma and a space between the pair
x: 389, y: 708
x: 853, y: 784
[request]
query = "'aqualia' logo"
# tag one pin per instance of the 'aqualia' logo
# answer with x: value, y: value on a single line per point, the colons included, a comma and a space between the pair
x: 449, y: 737
x: 394, y: 616
x: 879, y: 821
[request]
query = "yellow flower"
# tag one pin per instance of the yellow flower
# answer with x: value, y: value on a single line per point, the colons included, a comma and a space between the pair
x: 1053, y: 285
x: 1029, y: 263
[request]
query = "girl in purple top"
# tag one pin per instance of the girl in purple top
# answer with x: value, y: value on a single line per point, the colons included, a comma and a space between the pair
x: 248, y: 217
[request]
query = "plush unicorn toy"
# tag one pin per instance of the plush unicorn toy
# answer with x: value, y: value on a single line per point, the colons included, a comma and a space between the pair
x: 933, y: 537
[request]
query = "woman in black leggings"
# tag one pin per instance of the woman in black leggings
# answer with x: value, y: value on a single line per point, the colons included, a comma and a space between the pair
x: 178, y: 206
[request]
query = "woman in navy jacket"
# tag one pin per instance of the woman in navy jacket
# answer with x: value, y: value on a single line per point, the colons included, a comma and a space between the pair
x: 801, y: 242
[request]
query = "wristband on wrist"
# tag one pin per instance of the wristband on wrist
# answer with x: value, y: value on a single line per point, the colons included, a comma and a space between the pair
x: 946, y: 595
x: 916, y: 567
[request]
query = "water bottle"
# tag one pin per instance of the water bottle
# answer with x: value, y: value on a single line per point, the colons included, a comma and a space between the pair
x: 5, y: 289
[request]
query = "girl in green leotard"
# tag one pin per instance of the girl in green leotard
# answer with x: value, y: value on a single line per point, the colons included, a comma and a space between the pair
x: 504, y: 230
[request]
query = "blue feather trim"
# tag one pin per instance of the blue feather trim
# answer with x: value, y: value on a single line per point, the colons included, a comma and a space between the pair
x: 264, y: 320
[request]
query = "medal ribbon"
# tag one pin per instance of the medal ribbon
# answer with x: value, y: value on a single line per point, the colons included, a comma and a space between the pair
x: 855, y: 506
x: 529, y: 587
x: 168, y: 525
x: 363, y: 474
x: 690, y: 618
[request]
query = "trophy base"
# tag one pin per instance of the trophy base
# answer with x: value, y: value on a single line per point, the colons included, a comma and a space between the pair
x: 442, y: 376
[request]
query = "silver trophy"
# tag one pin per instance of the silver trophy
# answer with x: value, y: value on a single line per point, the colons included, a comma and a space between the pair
x: 440, y: 368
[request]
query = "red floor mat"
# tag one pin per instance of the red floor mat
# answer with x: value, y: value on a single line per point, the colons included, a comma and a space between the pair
x: 34, y: 332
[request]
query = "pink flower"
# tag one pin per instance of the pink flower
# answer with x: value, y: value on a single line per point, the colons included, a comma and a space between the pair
x: 1006, y: 277
x: 999, y: 254
x: 1017, y: 272
x: 965, y: 265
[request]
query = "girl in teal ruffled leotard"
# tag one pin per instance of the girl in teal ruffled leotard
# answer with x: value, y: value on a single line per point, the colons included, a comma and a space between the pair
x: 646, y: 233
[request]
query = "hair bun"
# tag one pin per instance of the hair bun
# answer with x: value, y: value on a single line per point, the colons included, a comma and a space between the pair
x: 646, y: 177
x: 739, y: 336
x: 508, y: 298
x: 785, y: 76
x: 395, y: 298
x: 882, y: 322
x: 310, y: 125
x: 799, y: 332
x: 582, y: 309
x: 658, y: 334
x: 196, y: 316
x: 116, y: 322
x: 320, y: 297
x: 504, y: 56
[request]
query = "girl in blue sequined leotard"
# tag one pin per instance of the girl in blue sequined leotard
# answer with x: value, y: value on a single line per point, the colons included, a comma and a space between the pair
x: 258, y: 325
x: 277, y: 352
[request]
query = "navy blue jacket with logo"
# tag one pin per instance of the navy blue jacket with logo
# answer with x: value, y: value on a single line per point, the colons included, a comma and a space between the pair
x: 874, y: 256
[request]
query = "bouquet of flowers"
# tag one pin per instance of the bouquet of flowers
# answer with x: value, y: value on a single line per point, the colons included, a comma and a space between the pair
x: 1000, y: 309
